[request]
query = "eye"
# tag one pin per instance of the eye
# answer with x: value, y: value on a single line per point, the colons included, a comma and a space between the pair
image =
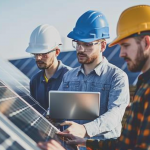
x: 88, y: 44
x: 126, y: 45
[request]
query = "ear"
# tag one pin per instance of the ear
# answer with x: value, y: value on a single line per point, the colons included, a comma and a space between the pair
x: 147, y: 42
x: 57, y: 52
x: 103, y: 46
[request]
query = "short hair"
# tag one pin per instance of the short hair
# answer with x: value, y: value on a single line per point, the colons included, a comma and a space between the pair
x: 139, y: 37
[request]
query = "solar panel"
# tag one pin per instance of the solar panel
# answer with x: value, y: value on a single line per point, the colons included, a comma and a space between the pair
x: 18, y: 82
x: 13, y: 139
x: 25, y: 117
x: 15, y: 73
x: 69, y: 58
x: 21, y: 109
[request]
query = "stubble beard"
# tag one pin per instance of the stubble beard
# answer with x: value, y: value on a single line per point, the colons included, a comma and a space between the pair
x: 139, y: 62
x: 88, y: 60
x: 44, y: 65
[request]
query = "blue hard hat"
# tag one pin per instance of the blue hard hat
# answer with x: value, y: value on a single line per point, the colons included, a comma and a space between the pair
x: 91, y: 26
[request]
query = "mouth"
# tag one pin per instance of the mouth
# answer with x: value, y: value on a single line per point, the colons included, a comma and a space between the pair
x: 126, y: 59
x: 81, y: 55
x: 39, y: 63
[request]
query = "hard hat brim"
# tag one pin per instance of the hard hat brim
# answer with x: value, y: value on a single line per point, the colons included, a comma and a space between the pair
x: 116, y: 41
x: 123, y: 36
x: 82, y: 39
x: 36, y: 50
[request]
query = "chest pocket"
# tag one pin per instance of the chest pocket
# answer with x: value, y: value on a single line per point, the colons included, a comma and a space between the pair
x: 98, y: 87
x: 71, y: 86
x: 104, y: 95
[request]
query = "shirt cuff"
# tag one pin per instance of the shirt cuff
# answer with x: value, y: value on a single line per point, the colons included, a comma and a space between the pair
x: 91, y: 129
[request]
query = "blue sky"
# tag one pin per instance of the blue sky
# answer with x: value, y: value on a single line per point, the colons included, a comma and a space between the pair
x: 18, y: 18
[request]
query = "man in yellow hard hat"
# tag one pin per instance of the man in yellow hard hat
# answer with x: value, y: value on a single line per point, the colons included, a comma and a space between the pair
x: 133, y: 35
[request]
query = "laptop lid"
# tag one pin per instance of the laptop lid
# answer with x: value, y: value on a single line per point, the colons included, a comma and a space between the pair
x: 74, y: 105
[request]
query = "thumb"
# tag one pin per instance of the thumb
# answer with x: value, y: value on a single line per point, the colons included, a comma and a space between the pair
x: 66, y: 123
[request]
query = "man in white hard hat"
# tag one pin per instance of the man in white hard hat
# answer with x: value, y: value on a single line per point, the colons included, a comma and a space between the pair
x: 45, y: 44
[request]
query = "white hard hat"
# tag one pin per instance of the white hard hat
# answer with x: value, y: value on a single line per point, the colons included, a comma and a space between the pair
x: 43, y: 39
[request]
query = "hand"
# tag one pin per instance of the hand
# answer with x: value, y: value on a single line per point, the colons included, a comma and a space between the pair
x: 71, y: 139
x: 50, y: 145
x: 74, y: 128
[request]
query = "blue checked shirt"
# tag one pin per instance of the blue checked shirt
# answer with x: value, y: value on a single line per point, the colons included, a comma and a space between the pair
x: 113, y: 85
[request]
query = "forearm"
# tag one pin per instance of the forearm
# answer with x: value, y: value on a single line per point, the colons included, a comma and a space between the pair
x: 118, y: 100
x: 105, y: 123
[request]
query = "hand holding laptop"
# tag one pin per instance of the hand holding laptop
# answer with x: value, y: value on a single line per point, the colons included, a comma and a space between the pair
x: 75, y: 129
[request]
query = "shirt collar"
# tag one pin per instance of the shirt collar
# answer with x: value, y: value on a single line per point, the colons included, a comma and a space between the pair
x: 55, y: 75
x: 98, y: 69
x: 145, y: 76
x: 58, y: 71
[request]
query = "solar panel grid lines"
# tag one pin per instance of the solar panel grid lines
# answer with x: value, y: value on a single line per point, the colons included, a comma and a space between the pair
x: 70, y: 59
x: 111, y: 55
x: 11, y: 138
x: 14, y: 72
x: 30, y: 122
x: 23, y: 110
x: 28, y: 119
x: 25, y: 64
x: 12, y: 81
x: 32, y: 71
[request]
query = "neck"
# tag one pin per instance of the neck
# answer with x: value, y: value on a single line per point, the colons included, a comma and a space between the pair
x: 146, y: 65
x: 52, y: 69
x: 90, y: 67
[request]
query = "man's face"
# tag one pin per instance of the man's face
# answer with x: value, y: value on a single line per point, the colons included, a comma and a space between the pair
x: 45, y: 61
x: 87, y: 53
x: 133, y: 54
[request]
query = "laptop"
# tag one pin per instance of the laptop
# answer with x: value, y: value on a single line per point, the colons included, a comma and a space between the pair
x: 74, y: 105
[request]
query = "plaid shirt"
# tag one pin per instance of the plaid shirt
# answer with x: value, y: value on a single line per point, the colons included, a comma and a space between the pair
x: 136, y: 132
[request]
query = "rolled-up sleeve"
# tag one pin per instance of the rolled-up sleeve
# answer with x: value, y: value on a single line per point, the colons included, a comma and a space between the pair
x: 117, y: 103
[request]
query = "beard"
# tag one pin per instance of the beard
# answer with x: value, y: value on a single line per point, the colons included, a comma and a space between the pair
x: 139, y: 62
x: 85, y: 59
x: 43, y: 65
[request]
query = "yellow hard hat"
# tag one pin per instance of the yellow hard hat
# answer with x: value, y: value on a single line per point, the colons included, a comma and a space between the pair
x: 133, y: 20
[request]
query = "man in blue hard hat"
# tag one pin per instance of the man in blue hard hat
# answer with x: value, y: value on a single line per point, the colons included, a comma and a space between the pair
x: 135, y: 49
x: 98, y: 75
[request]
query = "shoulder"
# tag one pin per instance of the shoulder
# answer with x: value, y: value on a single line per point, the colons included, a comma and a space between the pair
x: 65, y: 67
x: 114, y: 70
x: 72, y: 72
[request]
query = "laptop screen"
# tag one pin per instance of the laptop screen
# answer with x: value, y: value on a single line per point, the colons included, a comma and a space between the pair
x: 74, y: 105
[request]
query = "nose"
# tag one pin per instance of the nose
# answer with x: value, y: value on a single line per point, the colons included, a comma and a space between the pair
x: 80, y: 48
x: 122, y: 52
x: 38, y: 57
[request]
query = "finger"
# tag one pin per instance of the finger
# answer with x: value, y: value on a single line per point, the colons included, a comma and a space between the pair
x: 66, y: 123
x: 43, y: 146
x: 66, y: 131
x: 51, y: 145
x: 56, y: 145
x: 72, y: 142
x: 67, y: 135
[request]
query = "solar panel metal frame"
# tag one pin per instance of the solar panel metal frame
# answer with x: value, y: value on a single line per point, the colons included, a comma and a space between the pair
x: 29, y: 106
x: 15, y: 133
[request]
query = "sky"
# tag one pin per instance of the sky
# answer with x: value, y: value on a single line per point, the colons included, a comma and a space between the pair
x: 18, y: 18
